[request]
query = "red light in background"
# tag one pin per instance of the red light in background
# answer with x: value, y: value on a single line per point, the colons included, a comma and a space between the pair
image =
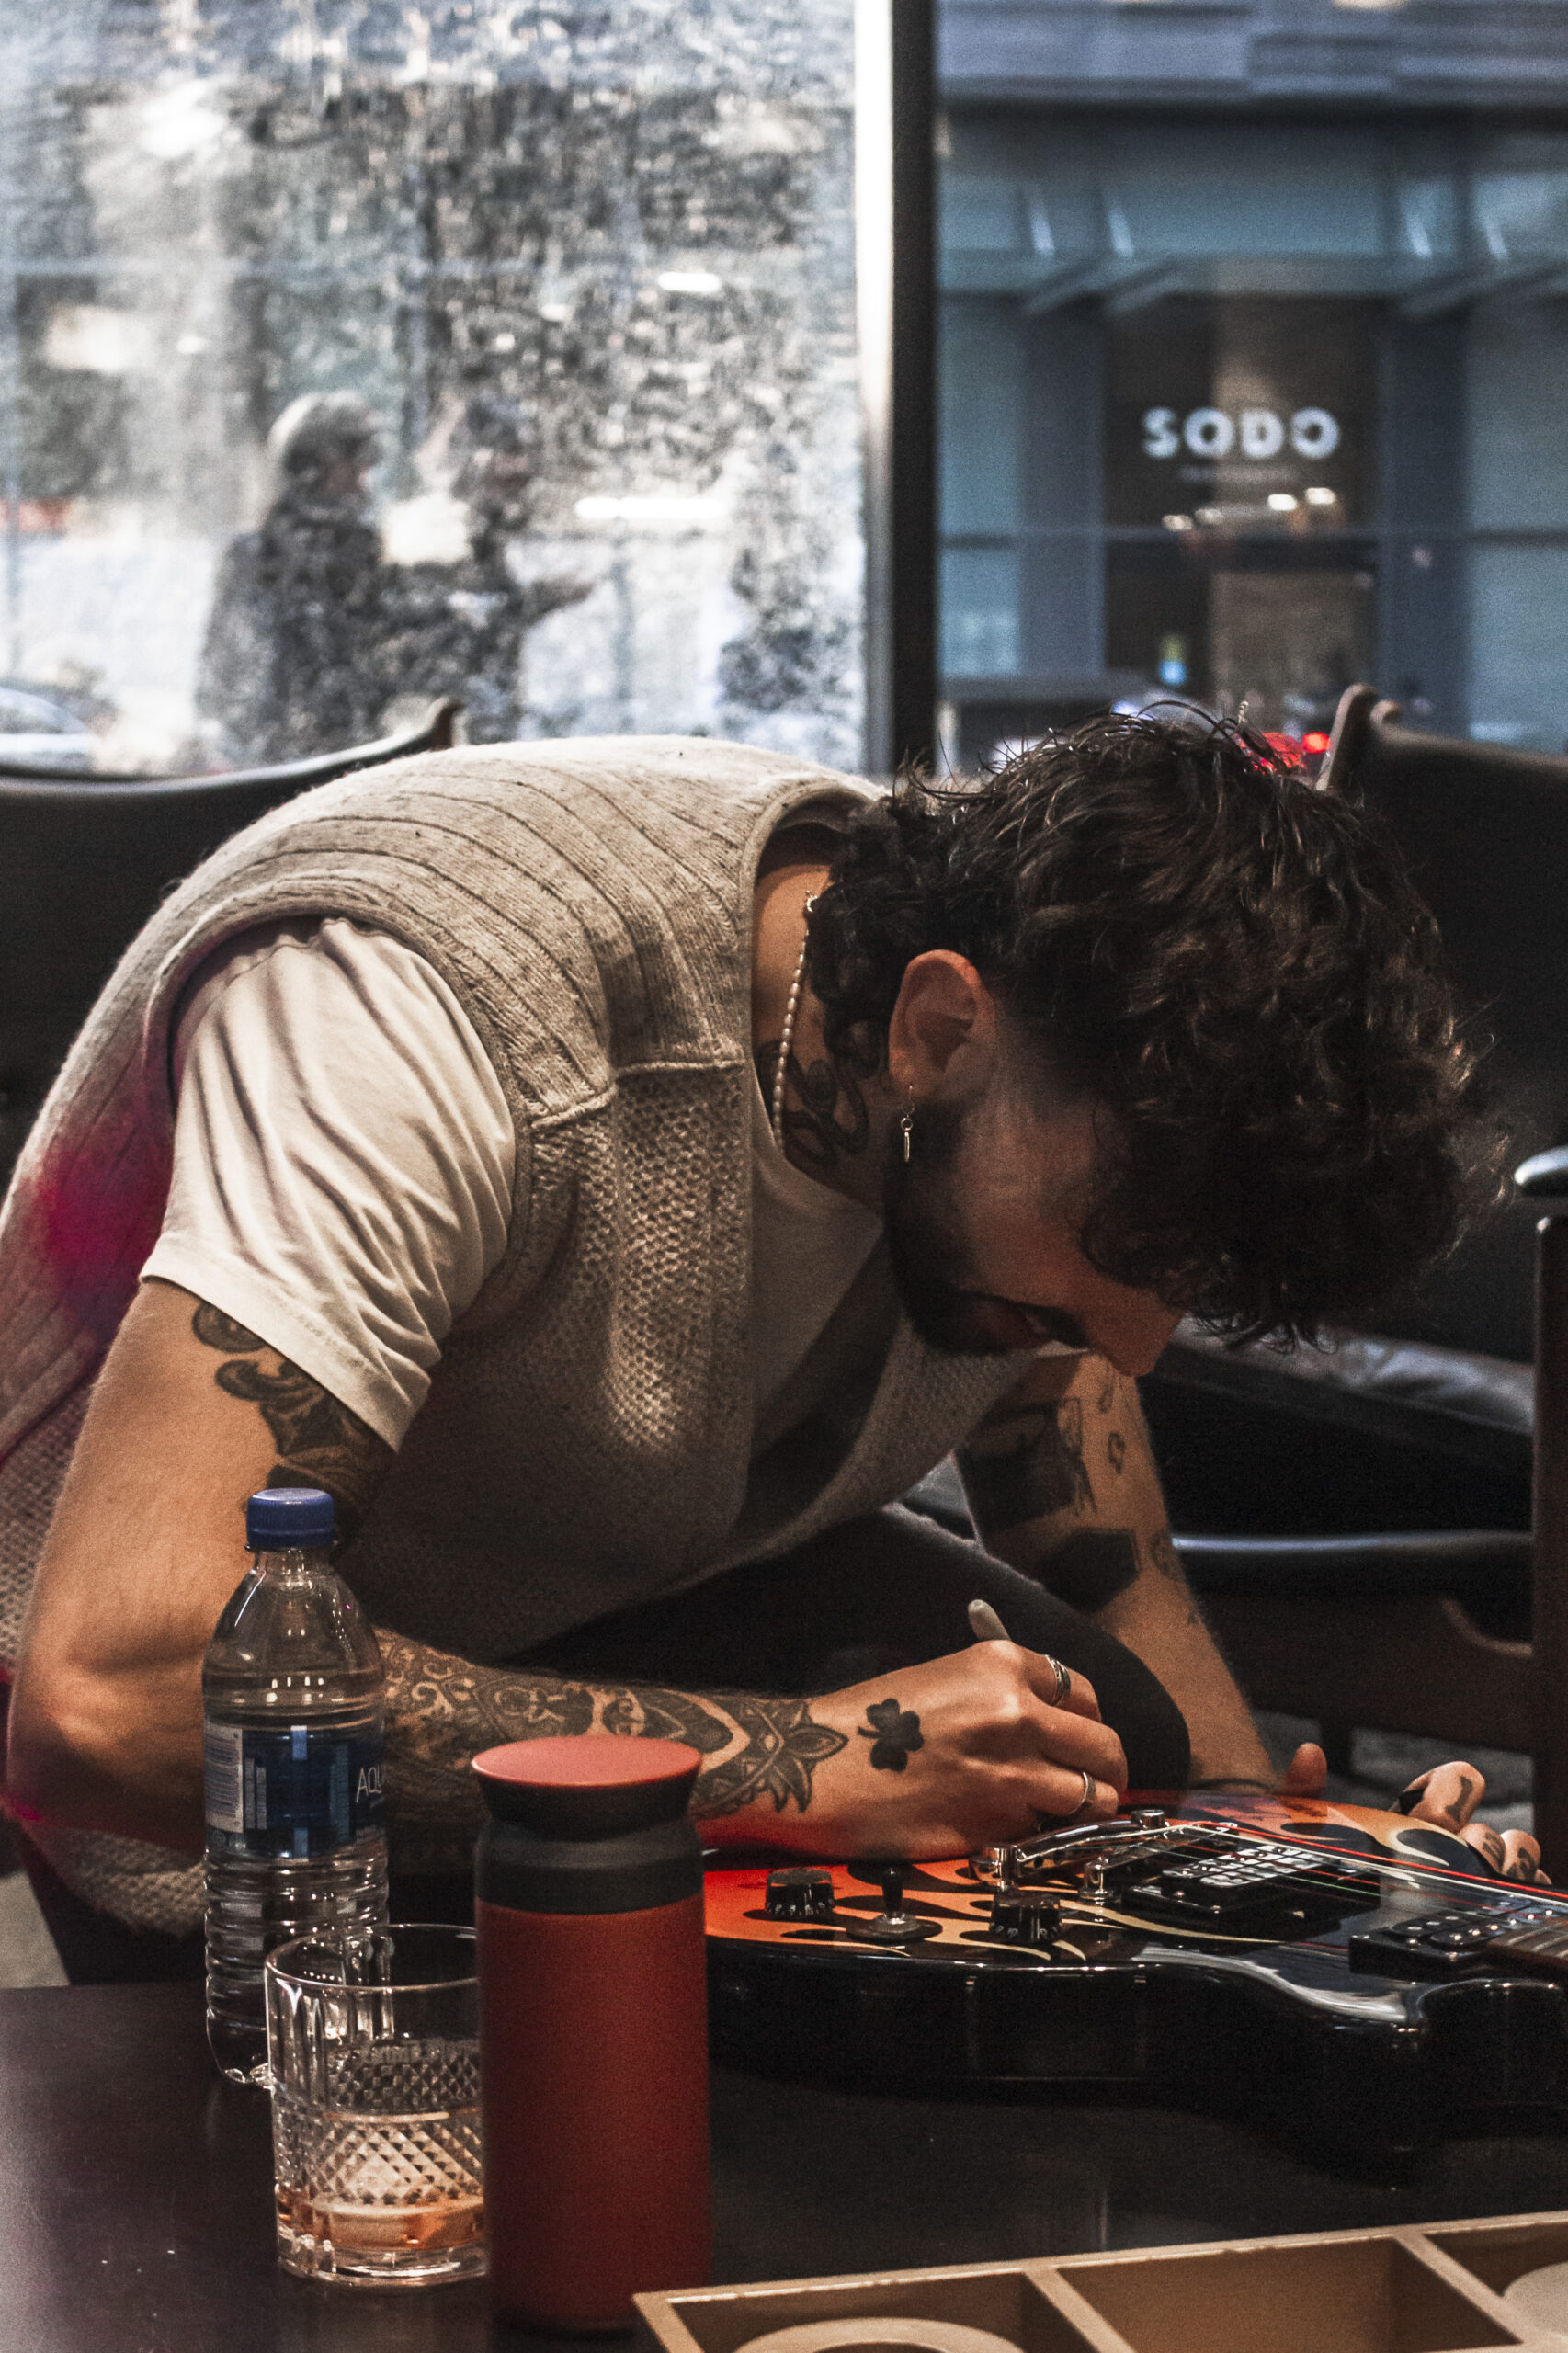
x: 1314, y: 741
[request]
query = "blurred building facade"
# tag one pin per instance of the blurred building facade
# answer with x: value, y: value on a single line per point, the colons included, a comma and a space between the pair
x: 1254, y: 360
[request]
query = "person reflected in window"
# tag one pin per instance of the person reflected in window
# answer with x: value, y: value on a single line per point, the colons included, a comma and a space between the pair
x: 289, y: 664
x: 456, y: 627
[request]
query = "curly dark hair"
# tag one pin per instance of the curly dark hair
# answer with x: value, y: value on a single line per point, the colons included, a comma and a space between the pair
x: 1233, y: 964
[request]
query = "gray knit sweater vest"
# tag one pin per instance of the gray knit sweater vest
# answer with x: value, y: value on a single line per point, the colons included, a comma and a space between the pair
x: 587, y: 1440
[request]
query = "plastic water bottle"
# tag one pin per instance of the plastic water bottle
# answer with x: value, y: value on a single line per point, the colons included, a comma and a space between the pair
x: 293, y: 1696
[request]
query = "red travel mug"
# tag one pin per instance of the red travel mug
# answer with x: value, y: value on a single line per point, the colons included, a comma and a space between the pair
x: 592, y: 2028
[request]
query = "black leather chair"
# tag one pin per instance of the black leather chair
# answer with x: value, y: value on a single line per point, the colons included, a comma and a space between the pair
x: 84, y: 861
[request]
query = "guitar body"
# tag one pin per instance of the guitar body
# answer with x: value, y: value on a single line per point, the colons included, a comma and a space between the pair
x: 1269, y: 1959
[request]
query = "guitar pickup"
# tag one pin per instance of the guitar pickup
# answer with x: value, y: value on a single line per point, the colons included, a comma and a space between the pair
x: 1237, y: 1882
x: 1456, y: 1944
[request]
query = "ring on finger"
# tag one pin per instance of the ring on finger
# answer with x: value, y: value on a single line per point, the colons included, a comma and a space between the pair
x: 1063, y: 1683
x: 1043, y: 1822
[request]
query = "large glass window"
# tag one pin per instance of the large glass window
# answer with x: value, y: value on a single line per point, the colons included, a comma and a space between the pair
x: 1244, y: 407
x: 356, y: 355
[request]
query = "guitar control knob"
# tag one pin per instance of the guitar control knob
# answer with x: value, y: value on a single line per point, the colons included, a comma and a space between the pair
x: 893, y: 1924
x: 1147, y: 1817
x: 799, y: 1893
x: 1022, y: 1915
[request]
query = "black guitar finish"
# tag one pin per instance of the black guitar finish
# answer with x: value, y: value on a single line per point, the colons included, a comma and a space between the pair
x: 1321, y: 1969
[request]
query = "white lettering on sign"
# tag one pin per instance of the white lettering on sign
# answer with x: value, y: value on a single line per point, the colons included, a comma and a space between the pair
x: 1262, y: 433
x: 1209, y: 433
x: 1313, y: 433
x: 1161, y: 438
x: 1263, y: 436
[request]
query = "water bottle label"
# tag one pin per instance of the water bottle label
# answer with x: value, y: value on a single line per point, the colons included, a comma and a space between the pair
x: 292, y: 1789
x: 226, y: 1754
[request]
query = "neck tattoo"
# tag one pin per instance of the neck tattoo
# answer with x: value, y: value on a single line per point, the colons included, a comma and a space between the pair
x: 781, y: 1074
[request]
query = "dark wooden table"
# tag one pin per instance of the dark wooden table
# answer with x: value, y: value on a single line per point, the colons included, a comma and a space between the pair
x: 135, y: 2205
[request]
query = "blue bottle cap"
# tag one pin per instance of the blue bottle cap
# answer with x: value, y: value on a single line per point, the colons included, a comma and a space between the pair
x: 280, y: 1517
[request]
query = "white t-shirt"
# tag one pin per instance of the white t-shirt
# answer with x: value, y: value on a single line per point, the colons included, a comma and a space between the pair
x: 343, y: 1170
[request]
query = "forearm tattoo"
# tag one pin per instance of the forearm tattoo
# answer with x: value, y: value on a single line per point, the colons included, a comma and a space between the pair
x: 320, y: 1443
x: 441, y: 1709
x: 826, y: 1117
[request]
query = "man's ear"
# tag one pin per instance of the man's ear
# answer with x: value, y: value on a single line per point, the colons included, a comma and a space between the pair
x: 942, y: 1038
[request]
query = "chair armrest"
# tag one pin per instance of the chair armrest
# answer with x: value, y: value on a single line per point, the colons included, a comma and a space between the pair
x: 1472, y: 1563
x: 1544, y: 1176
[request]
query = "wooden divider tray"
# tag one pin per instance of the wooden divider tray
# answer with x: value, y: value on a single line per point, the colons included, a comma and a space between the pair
x: 1438, y: 2289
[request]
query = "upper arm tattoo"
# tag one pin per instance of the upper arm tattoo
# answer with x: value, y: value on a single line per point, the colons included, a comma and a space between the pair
x: 1090, y: 1568
x: 320, y: 1443
x: 1027, y: 1463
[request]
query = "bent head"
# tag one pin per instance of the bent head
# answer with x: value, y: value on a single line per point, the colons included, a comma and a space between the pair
x: 1170, y: 1028
x: 985, y: 1217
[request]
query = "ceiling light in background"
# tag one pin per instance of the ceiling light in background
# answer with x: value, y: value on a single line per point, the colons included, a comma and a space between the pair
x: 1280, y: 502
x: 689, y: 282
x: 1176, y: 522
x: 1318, y: 497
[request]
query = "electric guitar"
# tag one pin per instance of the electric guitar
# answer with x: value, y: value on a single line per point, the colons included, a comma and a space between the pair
x: 1352, y: 1979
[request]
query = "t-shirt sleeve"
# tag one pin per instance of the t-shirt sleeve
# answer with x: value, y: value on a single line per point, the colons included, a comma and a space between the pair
x: 344, y: 1161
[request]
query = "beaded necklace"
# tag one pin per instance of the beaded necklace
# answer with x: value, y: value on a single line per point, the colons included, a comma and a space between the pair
x: 781, y: 1074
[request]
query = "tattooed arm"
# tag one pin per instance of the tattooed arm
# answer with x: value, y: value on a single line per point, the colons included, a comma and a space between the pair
x: 1063, y: 1486
x: 760, y: 1756
x: 192, y: 1412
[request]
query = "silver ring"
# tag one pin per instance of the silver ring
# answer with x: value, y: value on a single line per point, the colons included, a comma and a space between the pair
x: 1043, y: 1822
x: 1063, y: 1680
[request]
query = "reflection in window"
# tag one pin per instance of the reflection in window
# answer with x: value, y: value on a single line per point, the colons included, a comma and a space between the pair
x: 980, y: 613
x: 352, y: 362
x: 1246, y: 410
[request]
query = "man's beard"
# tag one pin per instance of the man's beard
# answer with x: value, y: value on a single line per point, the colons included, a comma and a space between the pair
x: 933, y: 1270
x: 925, y: 1249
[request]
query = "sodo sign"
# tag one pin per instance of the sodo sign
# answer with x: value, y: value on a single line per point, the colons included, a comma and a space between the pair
x: 1256, y: 433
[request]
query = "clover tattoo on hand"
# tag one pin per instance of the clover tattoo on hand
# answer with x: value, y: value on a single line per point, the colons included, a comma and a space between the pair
x: 894, y: 1735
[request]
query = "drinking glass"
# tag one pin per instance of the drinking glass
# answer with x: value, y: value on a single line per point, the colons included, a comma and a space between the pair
x: 373, y: 2048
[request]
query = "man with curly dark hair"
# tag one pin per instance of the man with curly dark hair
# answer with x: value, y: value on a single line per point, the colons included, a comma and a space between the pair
x: 1230, y: 967
x: 619, y: 1171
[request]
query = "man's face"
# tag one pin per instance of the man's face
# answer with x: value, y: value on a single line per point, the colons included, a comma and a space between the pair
x: 982, y: 1228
